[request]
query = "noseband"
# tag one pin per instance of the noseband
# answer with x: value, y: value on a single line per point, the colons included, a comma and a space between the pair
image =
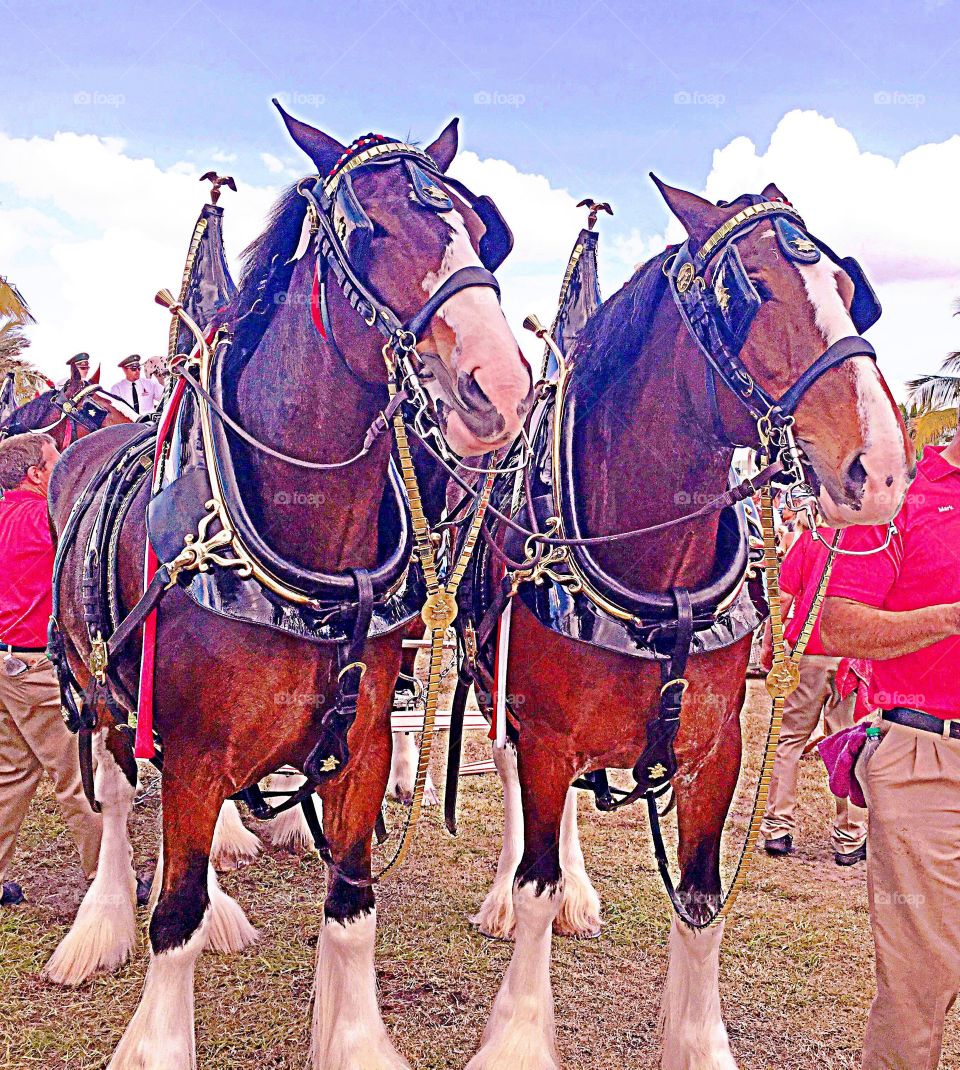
x: 719, y: 315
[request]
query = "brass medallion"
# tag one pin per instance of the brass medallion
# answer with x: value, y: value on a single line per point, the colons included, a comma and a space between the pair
x: 439, y: 611
x: 783, y: 678
x: 329, y: 764
x: 657, y: 771
x: 685, y: 277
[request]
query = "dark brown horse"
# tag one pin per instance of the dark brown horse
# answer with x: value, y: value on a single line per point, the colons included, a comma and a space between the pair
x: 645, y: 443
x: 235, y: 701
x: 70, y: 412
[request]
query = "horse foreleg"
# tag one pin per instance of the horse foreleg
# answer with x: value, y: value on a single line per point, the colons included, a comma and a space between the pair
x: 495, y: 917
x: 160, y: 1035
x: 521, y: 1030
x: 234, y: 845
x: 694, y: 1036
x: 579, y: 905
x: 348, y: 1031
x: 104, y: 931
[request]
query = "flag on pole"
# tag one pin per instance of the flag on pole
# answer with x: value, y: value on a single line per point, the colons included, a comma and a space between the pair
x: 579, y: 297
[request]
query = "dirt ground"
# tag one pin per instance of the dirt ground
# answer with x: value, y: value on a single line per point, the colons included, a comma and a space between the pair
x: 796, y: 970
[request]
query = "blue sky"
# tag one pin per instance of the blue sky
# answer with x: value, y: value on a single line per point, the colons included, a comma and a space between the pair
x: 593, y: 95
x: 578, y: 98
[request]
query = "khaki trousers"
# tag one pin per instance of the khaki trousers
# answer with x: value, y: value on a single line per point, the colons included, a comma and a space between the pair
x: 33, y: 741
x: 801, y: 714
x: 912, y: 786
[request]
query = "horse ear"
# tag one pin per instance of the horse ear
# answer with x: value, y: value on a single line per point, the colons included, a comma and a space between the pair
x: 95, y: 378
x: 320, y: 147
x: 700, y: 217
x: 444, y: 148
x: 772, y: 193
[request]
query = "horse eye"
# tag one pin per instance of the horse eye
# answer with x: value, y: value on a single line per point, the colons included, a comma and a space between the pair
x: 379, y: 231
x: 763, y: 291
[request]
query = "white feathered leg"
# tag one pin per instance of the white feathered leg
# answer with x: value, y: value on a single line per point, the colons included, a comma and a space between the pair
x: 694, y: 1036
x: 403, y: 771
x: 228, y: 929
x: 234, y: 845
x: 104, y: 931
x: 580, y: 905
x: 290, y: 829
x: 160, y: 1035
x: 348, y: 1032
x: 495, y: 916
x: 521, y: 1033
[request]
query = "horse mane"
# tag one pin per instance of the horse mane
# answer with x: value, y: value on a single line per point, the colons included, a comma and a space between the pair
x: 610, y: 343
x: 269, y: 252
x: 21, y: 419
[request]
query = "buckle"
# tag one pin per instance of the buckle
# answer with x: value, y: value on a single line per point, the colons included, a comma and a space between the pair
x: 947, y: 730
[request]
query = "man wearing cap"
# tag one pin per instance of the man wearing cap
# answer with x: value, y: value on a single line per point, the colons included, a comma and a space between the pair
x: 142, y: 395
x: 899, y: 607
x: 79, y: 366
x: 33, y: 737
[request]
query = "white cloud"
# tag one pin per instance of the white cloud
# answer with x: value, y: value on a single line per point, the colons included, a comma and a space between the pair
x: 272, y: 163
x: 89, y: 234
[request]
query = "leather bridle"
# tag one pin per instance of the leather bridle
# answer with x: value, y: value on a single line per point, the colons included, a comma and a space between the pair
x: 698, y: 306
x: 333, y: 261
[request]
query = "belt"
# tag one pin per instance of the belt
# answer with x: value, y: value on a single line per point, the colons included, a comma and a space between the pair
x: 8, y: 649
x: 925, y: 722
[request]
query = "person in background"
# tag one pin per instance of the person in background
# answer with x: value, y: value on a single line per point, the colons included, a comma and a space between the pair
x: 79, y: 365
x: 816, y: 696
x: 142, y: 395
x: 33, y: 737
x: 899, y: 607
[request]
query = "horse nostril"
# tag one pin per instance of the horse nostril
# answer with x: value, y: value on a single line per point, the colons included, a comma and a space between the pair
x: 471, y: 392
x: 856, y: 476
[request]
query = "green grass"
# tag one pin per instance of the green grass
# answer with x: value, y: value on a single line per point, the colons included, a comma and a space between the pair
x: 796, y: 971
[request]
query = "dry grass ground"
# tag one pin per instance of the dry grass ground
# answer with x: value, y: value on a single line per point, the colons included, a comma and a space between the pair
x: 796, y: 973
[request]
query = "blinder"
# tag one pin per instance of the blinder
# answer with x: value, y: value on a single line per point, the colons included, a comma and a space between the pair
x: 87, y: 413
x: 353, y: 226
x: 736, y: 297
x: 803, y: 248
x: 497, y: 240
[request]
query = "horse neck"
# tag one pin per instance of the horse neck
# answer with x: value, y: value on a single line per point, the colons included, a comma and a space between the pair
x: 297, y: 395
x: 645, y: 454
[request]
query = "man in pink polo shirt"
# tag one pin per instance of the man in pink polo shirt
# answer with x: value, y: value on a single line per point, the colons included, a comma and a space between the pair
x: 33, y: 737
x: 815, y: 696
x: 900, y: 608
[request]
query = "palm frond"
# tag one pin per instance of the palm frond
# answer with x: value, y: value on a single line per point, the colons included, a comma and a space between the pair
x: 12, y: 304
x: 932, y: 392
x: 12, y: 343
x: 930, y: 428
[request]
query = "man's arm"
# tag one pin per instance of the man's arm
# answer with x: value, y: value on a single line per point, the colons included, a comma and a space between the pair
x: 855, y: 630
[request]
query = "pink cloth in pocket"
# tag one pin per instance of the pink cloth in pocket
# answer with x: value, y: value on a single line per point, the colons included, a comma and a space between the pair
x: 839, y: 753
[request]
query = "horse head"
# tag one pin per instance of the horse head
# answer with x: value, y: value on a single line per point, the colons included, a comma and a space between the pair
x: 793, y: 313
x: 405, y: 229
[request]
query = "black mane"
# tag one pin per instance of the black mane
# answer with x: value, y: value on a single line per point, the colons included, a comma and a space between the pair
x: 609, y: 344
x: 269, y: 252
